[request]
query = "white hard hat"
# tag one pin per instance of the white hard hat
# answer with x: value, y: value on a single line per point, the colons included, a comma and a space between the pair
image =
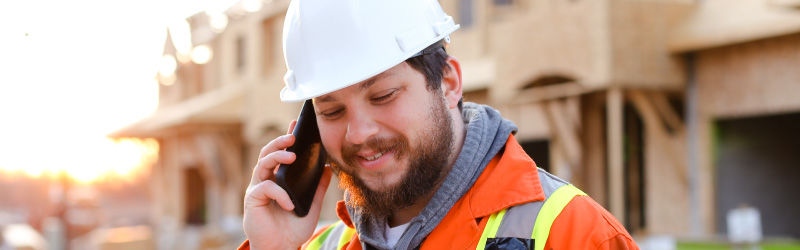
x: 329, y: 45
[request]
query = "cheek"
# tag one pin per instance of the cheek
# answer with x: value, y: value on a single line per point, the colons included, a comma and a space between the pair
x: 408, y: 118
x: 332, y: 140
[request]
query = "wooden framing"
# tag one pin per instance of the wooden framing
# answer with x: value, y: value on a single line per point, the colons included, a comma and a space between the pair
x: 655, y: 113
x: 565, y: 130
x: 550, y: 92
x: 614, y: 109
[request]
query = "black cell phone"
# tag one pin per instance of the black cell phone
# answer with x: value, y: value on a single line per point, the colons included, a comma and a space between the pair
x: 300, y: 179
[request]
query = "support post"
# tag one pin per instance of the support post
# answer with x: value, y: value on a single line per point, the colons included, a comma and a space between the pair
x: 616, y: 177
x: 696, y: 221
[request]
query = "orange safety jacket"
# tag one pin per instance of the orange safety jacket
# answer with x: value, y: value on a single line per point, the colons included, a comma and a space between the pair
x: 510, y: 180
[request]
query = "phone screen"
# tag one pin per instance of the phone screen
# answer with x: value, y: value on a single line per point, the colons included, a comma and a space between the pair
x: 300, y: 179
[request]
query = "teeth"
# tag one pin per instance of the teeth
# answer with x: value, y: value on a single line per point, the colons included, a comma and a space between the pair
x: 376, y: 156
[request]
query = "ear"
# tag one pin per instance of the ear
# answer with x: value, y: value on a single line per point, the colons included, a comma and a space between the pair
x: 451, y: 82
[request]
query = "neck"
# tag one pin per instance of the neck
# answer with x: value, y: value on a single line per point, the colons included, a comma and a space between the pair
x: 405, y: 215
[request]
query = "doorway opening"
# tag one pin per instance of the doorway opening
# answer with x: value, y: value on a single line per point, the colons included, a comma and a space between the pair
x: 539, y: 151
x: 758, y: 165
x: 195, y: 207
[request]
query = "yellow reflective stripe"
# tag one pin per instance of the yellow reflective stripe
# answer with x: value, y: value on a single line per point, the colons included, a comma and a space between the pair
x: 550, y: 210
x: 316, y: 244
x: 491, y: 228
x: 346, y: 236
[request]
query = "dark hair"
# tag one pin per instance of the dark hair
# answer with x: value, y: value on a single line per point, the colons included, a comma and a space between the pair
x: 432, y: 63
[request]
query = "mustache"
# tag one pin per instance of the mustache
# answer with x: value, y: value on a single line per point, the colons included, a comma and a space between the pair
x: 349, y: 151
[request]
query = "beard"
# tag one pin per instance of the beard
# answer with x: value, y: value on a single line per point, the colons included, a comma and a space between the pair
x: 428, y: 163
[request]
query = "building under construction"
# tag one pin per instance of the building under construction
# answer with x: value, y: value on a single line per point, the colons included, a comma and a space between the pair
x: 669, y: 113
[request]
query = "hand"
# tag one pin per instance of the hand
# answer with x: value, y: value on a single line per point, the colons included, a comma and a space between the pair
x: 269, y: 221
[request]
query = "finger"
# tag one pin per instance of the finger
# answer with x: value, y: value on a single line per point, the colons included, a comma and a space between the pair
x: 264, y: 192
x: 266, y: 166
x: 281, y: 142
x: 324, y: 182
x: 291, y: 126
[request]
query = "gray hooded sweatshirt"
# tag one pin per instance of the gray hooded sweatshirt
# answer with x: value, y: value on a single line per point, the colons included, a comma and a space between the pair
x: 487, y: 133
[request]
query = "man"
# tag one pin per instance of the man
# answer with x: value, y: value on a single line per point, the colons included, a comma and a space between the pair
x: 421, y: 169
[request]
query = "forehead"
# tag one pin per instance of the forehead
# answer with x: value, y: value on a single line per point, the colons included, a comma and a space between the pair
x: 399, y: 70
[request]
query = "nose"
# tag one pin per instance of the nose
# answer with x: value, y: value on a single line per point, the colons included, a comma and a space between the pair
x: 361, y: 126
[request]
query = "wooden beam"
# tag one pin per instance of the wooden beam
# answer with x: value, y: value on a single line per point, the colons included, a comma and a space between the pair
x: 717, y: 23
x: 593, y: 168
x: 205, y: 152
x: 231, y: 152
x: 572, y: 107
x: 175, y: 181
x: 203, y: 149
x: 616, y: 177
x: 565, y: 130
x: 785, y: 3
x: 652, y: 121
x: 550, y: 92
x: 664, y: 109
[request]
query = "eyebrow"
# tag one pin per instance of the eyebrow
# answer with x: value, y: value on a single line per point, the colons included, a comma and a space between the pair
x: 361, y: 87
x: 364, y: 86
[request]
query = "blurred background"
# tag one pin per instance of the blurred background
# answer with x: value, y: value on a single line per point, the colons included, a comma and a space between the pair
x: 135, y: 125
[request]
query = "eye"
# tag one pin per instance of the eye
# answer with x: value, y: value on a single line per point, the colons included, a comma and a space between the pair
x: 384, y: 96
x: 331, y: 114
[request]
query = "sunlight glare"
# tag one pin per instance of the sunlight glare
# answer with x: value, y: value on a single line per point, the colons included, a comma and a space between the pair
x: 252, y: 5
x: 201, y: 54
x: 181, y: 33
x: 75, y: 71
x: 34, y: 171
x: 117, y: 159
x: 168, y: 65
x: 217, y: 21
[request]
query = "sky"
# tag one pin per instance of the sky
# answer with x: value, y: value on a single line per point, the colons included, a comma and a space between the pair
x: 73, y: 71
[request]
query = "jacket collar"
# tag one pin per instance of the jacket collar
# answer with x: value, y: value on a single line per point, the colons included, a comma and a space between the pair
x: 510, y: 179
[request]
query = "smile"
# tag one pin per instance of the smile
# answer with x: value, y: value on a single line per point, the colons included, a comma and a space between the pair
x: 376, y: 156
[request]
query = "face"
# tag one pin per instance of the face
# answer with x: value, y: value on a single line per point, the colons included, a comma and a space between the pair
x: 390, y: 139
